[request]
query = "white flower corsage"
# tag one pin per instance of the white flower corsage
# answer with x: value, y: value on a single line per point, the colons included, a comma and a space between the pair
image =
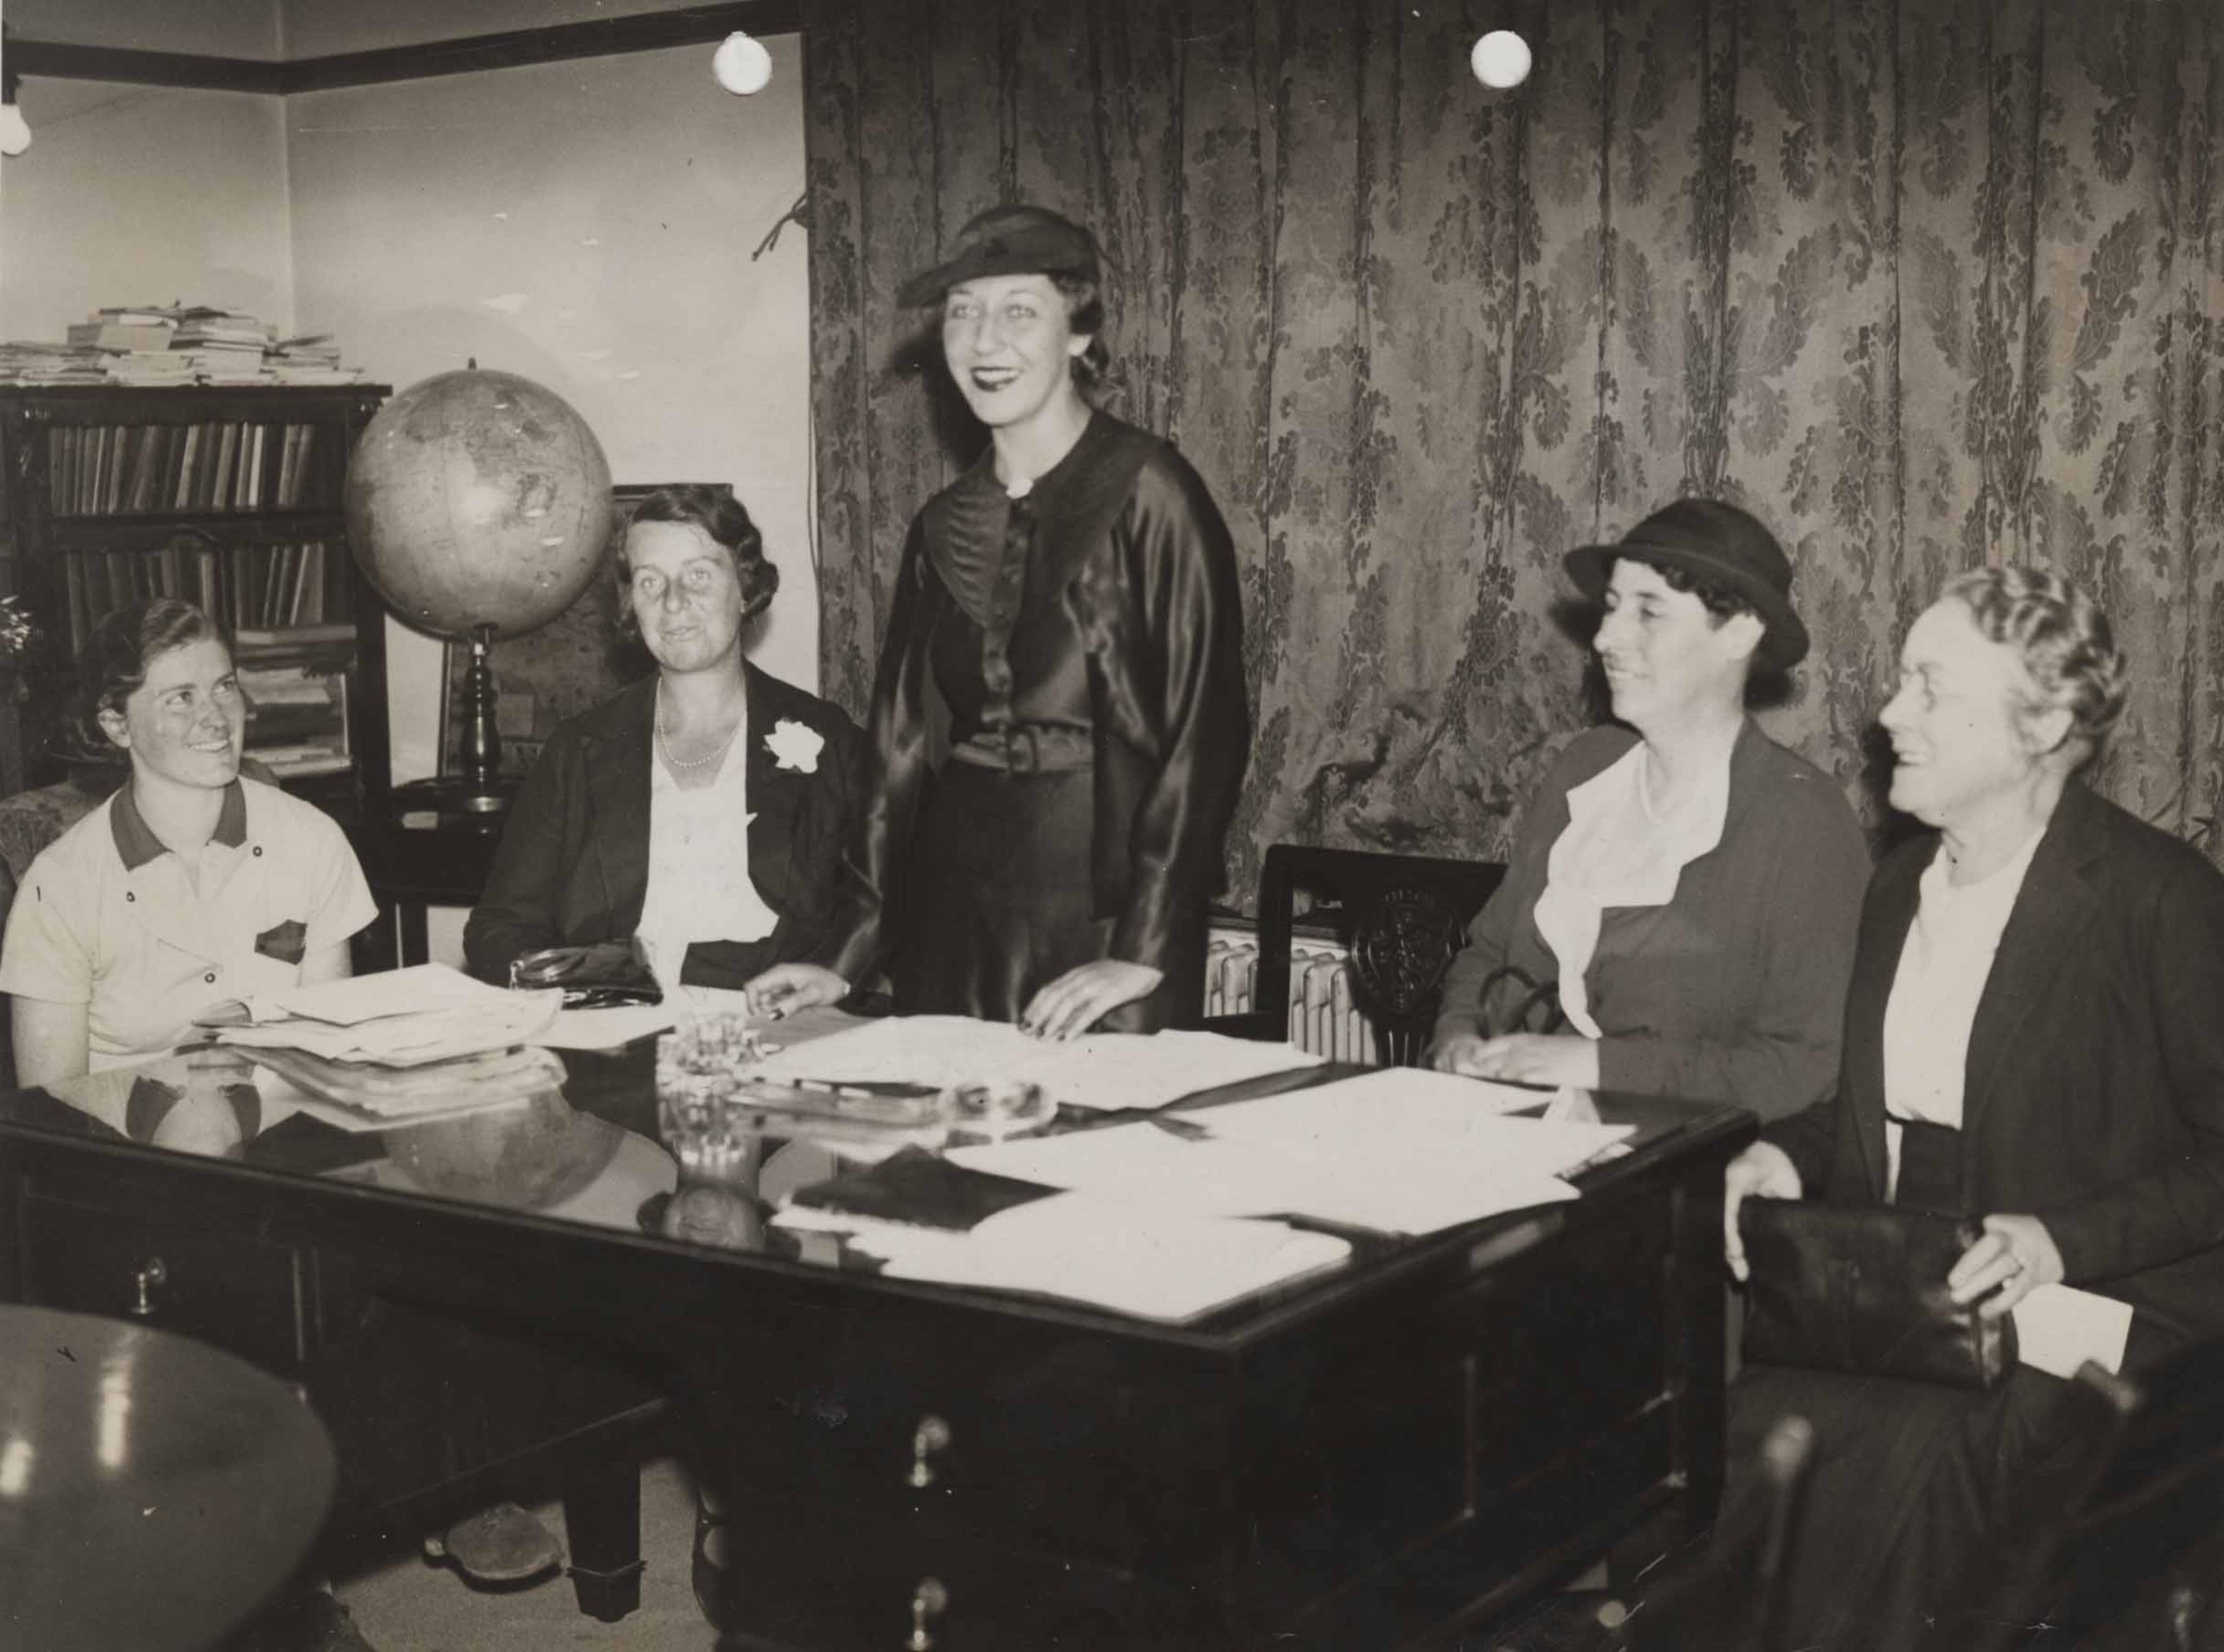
x: 794, y: 746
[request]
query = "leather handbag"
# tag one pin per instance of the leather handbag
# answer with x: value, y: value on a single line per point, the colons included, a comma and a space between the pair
x: 1862, y: 1289
x: 600, y: 976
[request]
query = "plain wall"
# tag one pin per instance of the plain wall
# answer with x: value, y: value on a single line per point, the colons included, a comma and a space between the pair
x: 143, y: 195
x: 589, y: 225
x: 198, y: 28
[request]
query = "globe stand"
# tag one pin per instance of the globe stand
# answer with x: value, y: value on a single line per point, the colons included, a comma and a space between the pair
x: 482, y: 793
x: 480, y: 790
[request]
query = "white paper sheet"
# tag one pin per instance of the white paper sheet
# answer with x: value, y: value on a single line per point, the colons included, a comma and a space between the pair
x: 608, y: 1028
x: 1352, y: 1158
x: 2058, y: 1327
x: 415, y: 990
x: 1097, y: 1071
x: 410, y: 1040
x: 1152, y: 1263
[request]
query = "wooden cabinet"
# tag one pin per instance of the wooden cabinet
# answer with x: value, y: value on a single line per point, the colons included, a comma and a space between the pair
x: 229, y: 497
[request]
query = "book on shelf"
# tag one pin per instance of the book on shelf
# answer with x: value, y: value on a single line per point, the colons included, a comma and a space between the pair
x: 282, y: 599
x: 294, y: 762
x: 307, y: 635
x: 122, y: 335
x: 286, y: 686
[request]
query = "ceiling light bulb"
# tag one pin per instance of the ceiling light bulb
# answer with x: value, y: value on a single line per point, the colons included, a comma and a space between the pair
x: 742, y: 64
x: 1500, y: 60
x: 15, y: 131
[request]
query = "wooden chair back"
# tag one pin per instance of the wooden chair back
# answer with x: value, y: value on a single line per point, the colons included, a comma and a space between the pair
x: 1402, y: 918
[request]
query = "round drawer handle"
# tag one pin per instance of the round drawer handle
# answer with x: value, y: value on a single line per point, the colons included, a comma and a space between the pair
x: 150, y: 1277
x: 932, y: 1435
x: 928, y: 1600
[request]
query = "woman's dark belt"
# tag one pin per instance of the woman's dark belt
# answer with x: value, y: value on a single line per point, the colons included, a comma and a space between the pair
x: 1028, y: 749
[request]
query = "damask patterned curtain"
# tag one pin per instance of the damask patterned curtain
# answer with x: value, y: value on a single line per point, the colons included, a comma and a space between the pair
x: 1923, y: 283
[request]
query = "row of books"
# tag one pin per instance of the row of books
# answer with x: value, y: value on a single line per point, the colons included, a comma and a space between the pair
x: 291, y: 600
x: 297, y: 721
x: 134, y: 469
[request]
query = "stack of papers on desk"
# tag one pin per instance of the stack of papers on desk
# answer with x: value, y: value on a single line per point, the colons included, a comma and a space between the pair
x: 412, y: 1043
x: 1395, y: 1151
x: 1153, y: 1263
x: 404, y: 1017
x: 1098, y: 1071
x: 367, y: 1096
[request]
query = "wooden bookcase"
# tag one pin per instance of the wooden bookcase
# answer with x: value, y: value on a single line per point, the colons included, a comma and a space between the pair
x: 227, y: 496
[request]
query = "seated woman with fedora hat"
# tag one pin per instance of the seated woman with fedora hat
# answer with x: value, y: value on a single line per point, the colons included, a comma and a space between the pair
x: 1679, y: 912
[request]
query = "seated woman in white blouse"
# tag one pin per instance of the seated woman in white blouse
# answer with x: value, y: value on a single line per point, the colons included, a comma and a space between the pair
x: 703, y: 810
x: 192, y: 885
x: 1683, y: 890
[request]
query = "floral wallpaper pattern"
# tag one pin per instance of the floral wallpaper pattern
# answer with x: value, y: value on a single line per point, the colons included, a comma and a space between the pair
x: 1923, y: 283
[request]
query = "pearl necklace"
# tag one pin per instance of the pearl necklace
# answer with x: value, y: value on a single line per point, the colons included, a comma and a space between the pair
x: 663, y: 746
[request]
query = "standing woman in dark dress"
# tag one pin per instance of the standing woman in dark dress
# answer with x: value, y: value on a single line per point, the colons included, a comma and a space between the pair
x: 1059, y: 731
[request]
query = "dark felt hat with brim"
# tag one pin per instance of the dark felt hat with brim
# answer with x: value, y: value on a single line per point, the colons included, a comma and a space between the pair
x: 1724, y: 548
x: 1007, y: 241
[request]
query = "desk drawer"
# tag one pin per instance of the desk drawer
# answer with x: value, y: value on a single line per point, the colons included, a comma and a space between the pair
x: 223, y: 1287
x: 1046, y: 1445
x: 1567, y: 1350
x: 805, y: 1580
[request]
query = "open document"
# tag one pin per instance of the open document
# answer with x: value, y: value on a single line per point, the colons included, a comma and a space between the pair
x: 1148, y: 1261
x: 1393, y: 1151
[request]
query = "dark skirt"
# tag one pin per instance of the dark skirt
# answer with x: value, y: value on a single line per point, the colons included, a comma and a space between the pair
x: 1903, y: 1473
x: 1006, y: 905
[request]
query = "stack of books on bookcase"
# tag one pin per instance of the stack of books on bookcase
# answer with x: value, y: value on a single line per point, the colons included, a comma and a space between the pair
x: 294, y: 680
x: 246, y: 588
x: 218, y: 465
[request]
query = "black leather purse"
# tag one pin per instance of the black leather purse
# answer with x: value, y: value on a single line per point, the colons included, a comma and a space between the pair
x: 1862, y: 1289
x: 600, y: 976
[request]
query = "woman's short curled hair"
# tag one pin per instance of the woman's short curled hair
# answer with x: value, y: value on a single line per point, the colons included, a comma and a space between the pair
x: 112, y: 666
x: 1084, y: 313
x: 2063, y: 638
x: 712, y: 507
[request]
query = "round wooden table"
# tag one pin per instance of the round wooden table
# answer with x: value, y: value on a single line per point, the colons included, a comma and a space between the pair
x: 153, y: 1491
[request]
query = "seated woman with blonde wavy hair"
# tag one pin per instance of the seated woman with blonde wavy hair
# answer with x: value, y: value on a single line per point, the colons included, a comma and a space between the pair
x: 2032, y: 1043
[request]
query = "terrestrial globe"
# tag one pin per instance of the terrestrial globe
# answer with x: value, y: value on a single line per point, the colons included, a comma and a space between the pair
x: 478, y: 505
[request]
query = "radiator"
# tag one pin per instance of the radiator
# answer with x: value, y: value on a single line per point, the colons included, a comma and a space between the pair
x: 1323, y: 1019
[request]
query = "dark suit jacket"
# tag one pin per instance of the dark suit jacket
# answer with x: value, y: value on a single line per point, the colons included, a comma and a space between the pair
x: 573, y: 865
x: 2095, y: 1093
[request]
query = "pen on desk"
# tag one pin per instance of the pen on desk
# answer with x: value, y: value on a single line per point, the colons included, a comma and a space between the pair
x: 1181, y: 1129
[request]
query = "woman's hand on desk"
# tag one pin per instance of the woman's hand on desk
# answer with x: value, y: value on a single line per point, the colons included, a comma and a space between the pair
x: 2017, y: 1253
x: 1764, y: 1170
x: 1081, y: 997
x: 1560, y: 1060
x: 784, y: 989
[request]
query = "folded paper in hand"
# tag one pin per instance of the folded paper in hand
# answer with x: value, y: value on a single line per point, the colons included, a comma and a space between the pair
x: 406, y: 1017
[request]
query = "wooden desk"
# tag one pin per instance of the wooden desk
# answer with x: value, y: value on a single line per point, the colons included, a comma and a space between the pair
x: 1364, y: 1459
